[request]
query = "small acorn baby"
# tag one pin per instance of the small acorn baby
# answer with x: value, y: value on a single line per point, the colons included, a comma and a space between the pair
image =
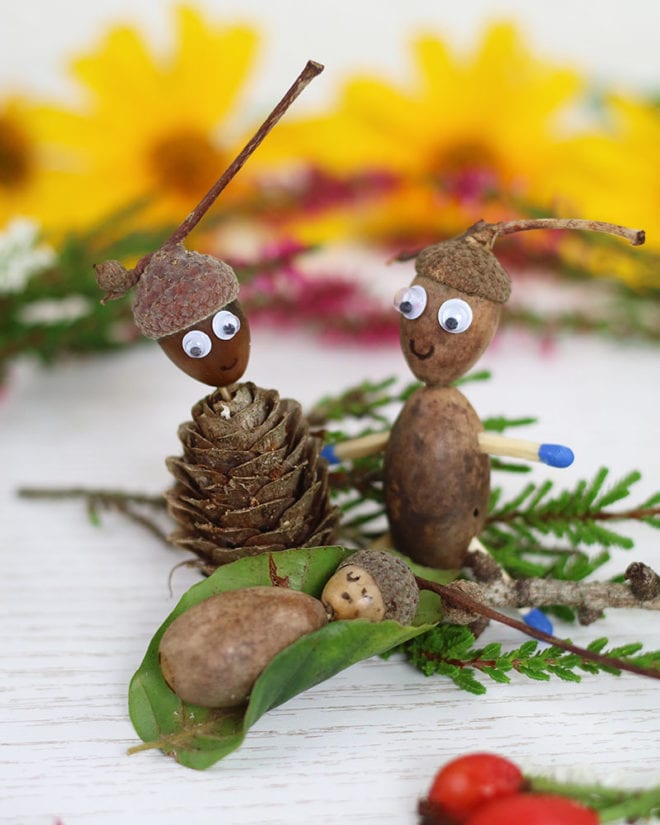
x: 212, y: 654
x: 373, y: 585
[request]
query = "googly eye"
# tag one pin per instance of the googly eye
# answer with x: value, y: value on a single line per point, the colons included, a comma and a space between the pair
x: 196, y: 343
x: 455, y: 315
x: 411, y: 301
x: 225, y: 324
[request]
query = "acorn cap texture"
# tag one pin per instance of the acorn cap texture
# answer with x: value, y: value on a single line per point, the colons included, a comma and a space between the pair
x: 466, y: 264
x: 179, y: 288
x: 395, y: 580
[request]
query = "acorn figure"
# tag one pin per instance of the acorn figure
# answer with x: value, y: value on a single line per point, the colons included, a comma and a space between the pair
x: 437, y: 470
x: 250, y: 479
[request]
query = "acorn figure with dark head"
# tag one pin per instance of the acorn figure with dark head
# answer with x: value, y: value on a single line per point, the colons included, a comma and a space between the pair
x: 251, y: 479
x: 188, y: 302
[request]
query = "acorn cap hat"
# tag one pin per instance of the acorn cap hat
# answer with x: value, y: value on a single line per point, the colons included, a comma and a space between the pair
x: 467, y: 264
x: 179, y: 288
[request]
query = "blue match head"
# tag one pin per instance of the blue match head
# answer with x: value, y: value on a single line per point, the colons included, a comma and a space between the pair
x: 328, y: 452
x: 556, y: 455
x: 539, y: 621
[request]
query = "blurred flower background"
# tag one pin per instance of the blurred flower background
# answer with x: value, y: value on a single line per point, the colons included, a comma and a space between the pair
x: 491, y: 130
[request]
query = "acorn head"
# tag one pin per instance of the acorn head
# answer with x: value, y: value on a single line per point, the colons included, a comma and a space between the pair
x: 467, y: 264
x: 374, y: 585
x: 451, y: 311
x: 215, y: 350
x: 187, y: 302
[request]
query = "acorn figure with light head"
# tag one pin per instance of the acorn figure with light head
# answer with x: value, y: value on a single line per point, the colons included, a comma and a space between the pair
x: 436, y: 468
x: 251, y: 479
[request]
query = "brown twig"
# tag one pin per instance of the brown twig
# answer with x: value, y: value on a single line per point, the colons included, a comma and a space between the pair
x: 311, y: 70
x: 535, y: 592
x: 489, y: 232
x: 454, y: 597
x: 100, y: 494
x: 493, y: 230
x: 117, y: 500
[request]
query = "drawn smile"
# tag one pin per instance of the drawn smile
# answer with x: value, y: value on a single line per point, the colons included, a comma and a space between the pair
x: 421, y: 355
x: 230, y: 366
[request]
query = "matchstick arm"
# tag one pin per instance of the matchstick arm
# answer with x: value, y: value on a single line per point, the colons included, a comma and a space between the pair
x: 555, y: 455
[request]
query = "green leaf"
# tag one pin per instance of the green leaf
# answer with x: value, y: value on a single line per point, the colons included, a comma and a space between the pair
x: 199, y: 737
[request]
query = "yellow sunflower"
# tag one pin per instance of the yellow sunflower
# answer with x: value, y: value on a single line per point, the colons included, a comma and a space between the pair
x: 616, y: 175
x: 149, y: 126
x: 22, y: 161
x: 474, y: 136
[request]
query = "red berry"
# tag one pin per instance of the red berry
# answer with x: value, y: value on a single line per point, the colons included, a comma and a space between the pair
x: 533, y: 809
x: 466, y: 783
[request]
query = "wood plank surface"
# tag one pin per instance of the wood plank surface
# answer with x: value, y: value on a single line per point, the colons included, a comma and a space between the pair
x: 80, y: 602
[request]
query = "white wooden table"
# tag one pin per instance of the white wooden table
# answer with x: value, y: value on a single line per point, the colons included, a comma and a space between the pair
x: 80, y: 603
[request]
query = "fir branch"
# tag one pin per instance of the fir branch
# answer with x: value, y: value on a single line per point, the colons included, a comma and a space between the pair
x: 364, y: 400
x: 577, y: 515
x: 461, y: 604
x: 532, y: 559
x: 448, y: 650
x: 500, y: 423
x: 99, y: 499
x: 368, y: 399
x: 612, y: 804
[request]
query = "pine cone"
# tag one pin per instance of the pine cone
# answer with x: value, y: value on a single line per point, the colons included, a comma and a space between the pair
x: 250, y: 480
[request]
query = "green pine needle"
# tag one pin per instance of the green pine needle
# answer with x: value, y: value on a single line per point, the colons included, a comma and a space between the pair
x: 448, y: 650
x: 578, y: 515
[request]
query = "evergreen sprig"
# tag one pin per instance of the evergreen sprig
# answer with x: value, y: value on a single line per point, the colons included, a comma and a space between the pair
x: 365, y: 401
x: 536, y: 534
x: 449, y: 650
x: 369, y: 400
x: 612, y: 804
x: 577, y: 515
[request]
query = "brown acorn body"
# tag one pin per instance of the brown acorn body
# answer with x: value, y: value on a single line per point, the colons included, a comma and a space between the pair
x: 212, y: 654
x: 437, y: 481
x: 251, y: 479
